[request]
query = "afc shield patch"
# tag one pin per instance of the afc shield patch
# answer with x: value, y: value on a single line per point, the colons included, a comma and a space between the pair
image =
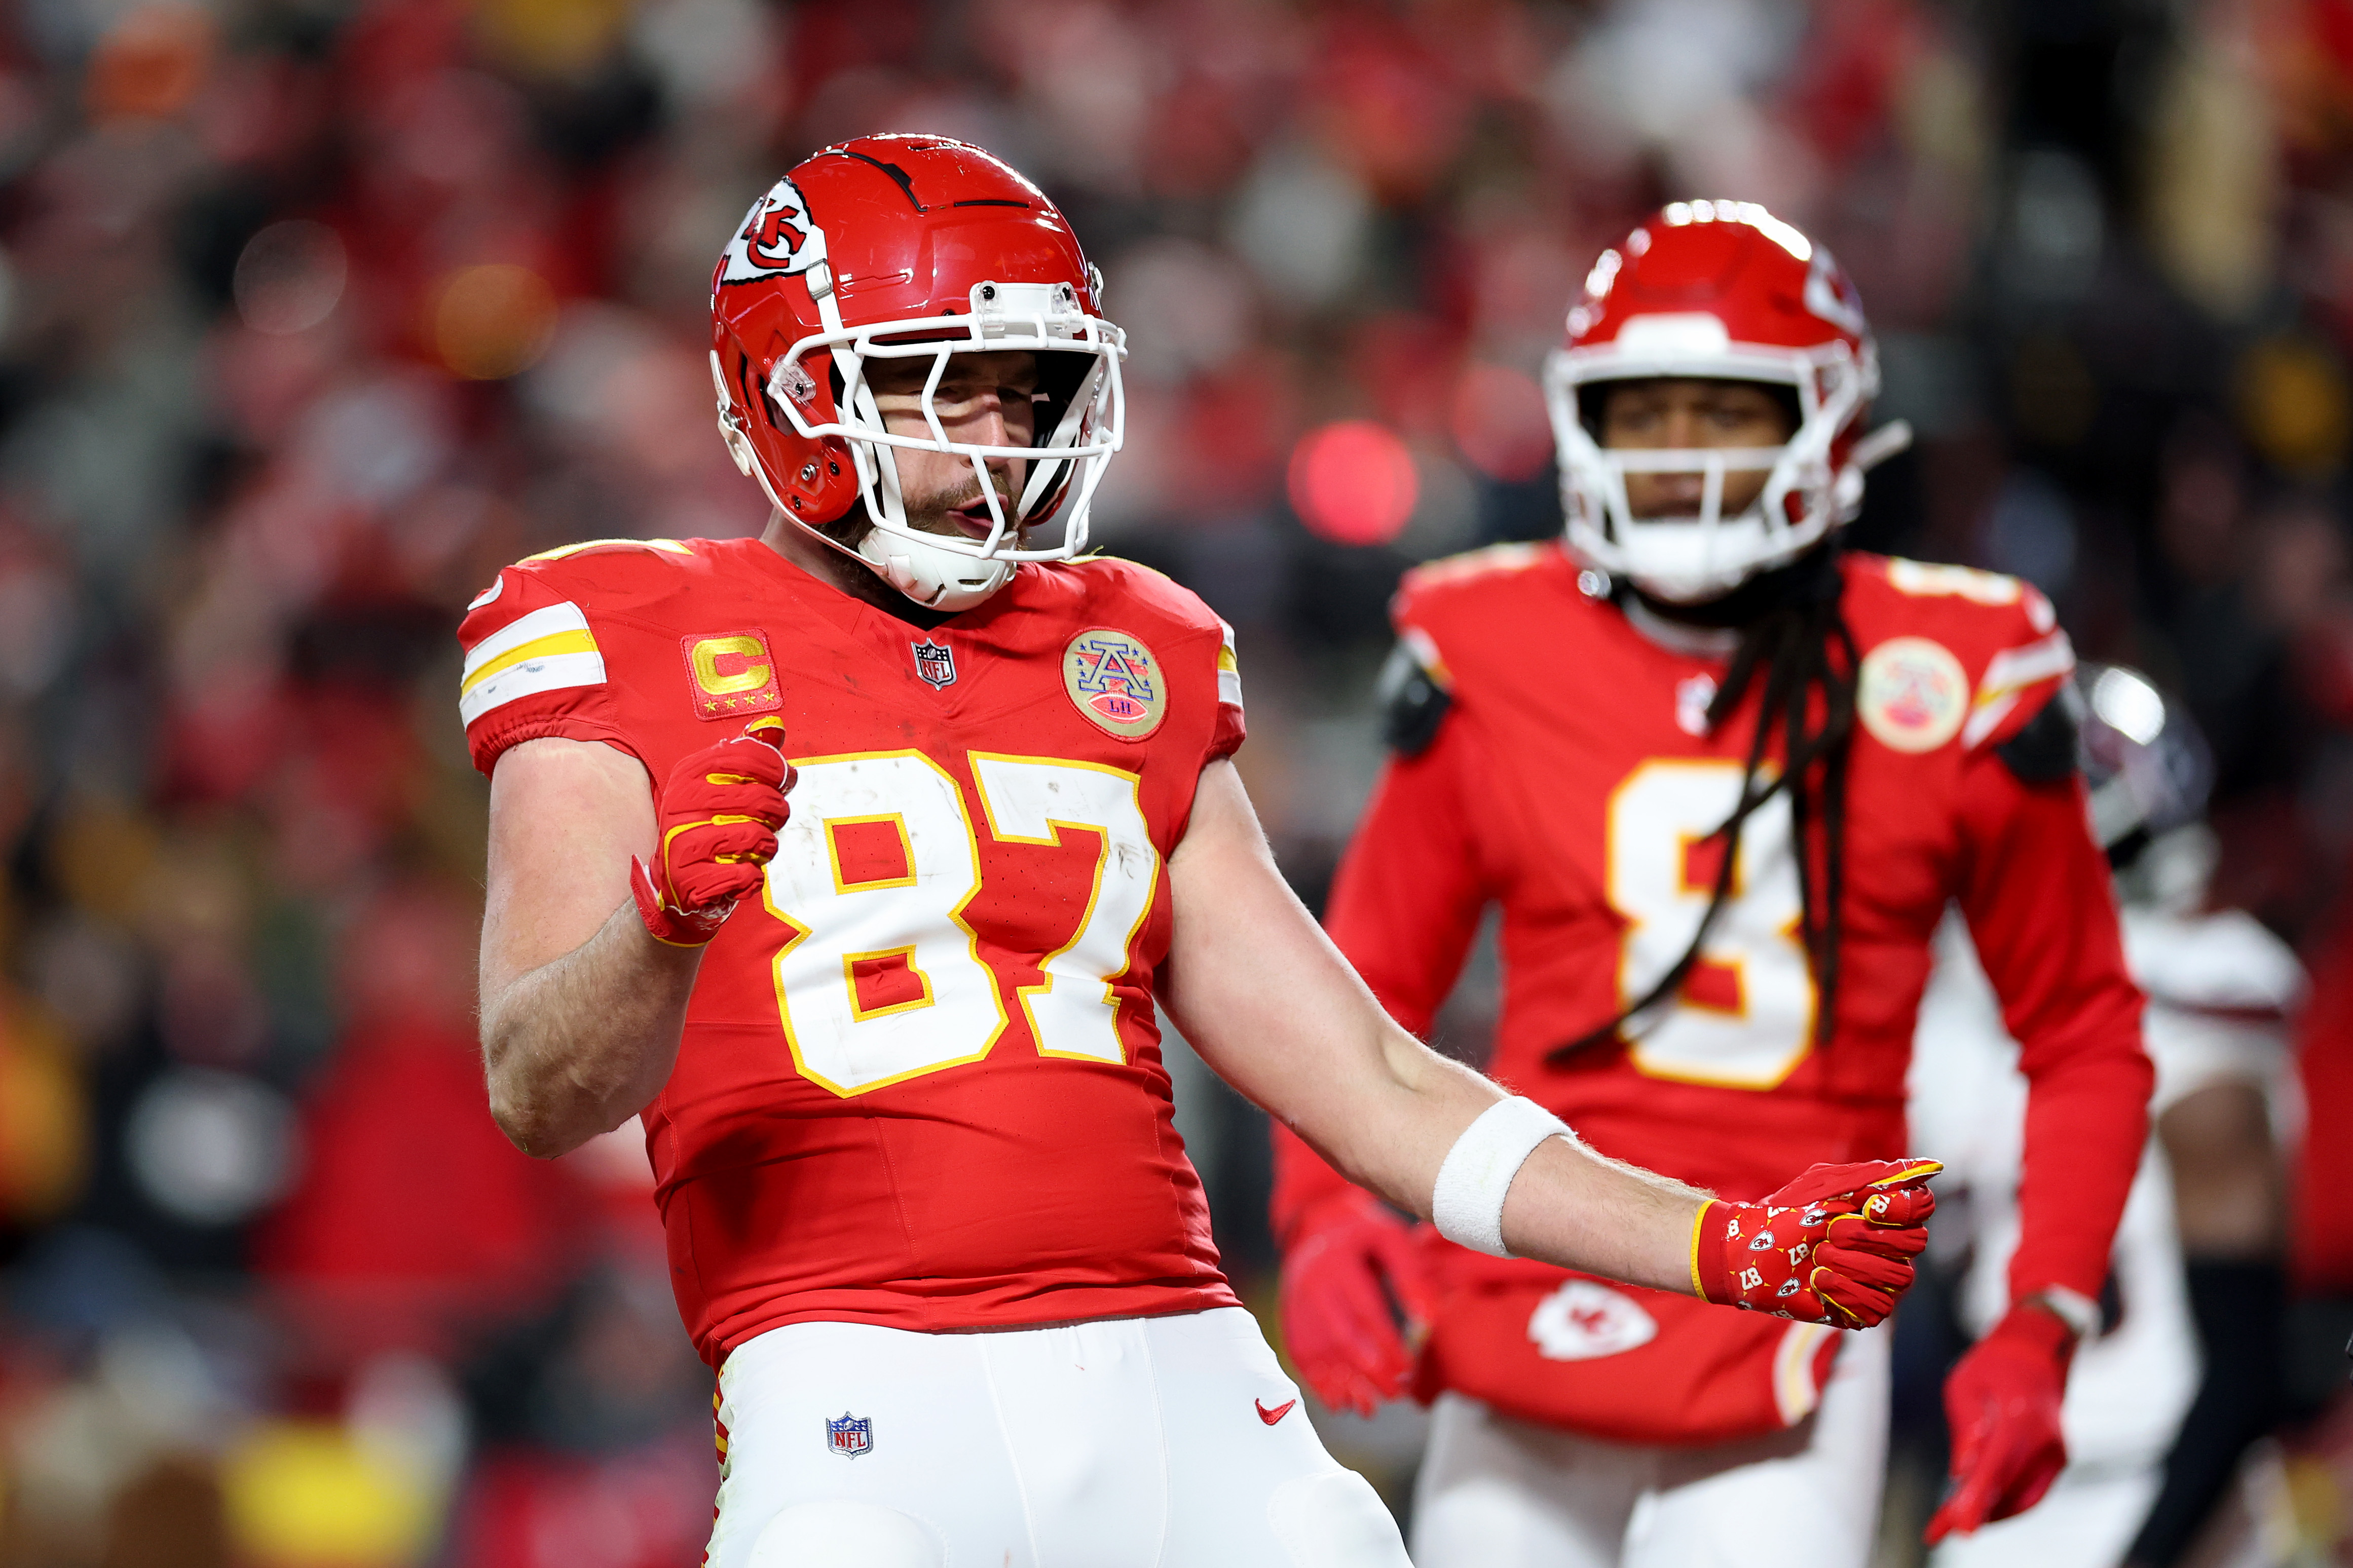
x: 733, y: 674
x: 851, y: 1437
x: 935, y: 662
x: 1113, y: 679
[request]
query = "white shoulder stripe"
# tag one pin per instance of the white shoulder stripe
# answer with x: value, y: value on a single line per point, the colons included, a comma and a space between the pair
x: 2009, y: 673
x: 532, y: 676
x: 1230, y: 671
x: 2015, y: 666
x: 544, y: 622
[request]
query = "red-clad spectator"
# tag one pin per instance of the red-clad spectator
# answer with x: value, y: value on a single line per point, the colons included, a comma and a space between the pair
x: 413, y: 1212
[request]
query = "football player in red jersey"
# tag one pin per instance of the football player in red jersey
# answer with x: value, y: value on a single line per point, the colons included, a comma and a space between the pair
x: 1723, y: 780
x: 887, y: 1008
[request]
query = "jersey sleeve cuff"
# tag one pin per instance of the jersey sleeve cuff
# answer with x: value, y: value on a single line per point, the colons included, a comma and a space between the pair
x: 487, y: 742
x: 1226, y: 738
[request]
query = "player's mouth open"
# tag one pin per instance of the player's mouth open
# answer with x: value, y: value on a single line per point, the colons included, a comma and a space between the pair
x: 972, y: 518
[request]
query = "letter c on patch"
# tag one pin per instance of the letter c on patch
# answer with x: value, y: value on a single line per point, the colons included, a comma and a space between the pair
x: 749, y: 676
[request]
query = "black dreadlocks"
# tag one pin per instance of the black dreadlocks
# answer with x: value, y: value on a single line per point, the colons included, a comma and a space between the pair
x: 1793, y: 630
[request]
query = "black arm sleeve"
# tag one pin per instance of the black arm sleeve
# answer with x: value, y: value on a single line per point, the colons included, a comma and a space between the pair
x: 1413, y: 703
x: 2044, y: 747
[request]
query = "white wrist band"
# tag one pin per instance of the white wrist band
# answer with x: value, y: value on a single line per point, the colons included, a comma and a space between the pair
x: 1467, y: 1204
x: 2079, y: 1312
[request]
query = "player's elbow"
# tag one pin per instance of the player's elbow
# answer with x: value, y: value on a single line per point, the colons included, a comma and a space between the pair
x: 532, y: 1114
x: 534, y: 1127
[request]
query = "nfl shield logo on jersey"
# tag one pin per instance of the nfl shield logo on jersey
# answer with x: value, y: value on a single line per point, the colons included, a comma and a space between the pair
x: 935, y: 663
x: 851, y: 1436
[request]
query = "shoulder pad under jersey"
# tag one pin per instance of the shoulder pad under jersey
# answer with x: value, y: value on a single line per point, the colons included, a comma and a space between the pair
x: 2044, y: 750
x: 1412, y: 695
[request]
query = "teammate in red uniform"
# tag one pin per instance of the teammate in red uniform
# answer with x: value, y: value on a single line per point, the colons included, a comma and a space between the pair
x: 1723, y: 780
x: 887, y: 1009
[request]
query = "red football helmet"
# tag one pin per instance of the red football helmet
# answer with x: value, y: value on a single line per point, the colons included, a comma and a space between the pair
x: 910, y: 247
x: 1725, y: 290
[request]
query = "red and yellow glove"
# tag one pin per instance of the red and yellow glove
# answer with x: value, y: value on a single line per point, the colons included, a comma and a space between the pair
x: 1354, y: 1266
x: 2002, y: 1405
x: 719, y: 813
x: 1834, y: 1247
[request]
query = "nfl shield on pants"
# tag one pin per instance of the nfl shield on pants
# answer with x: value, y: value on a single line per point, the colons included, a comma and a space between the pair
x: 1169, y: 1442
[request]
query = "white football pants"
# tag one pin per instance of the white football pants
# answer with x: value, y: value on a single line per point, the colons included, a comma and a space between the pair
x: 1126, y: 1441
x: 1499, y: 1493
x: 2085, y: 1520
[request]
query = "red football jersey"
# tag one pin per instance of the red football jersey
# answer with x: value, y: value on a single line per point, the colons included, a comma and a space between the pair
x: 920, y: 1082
x: 1573, y: 781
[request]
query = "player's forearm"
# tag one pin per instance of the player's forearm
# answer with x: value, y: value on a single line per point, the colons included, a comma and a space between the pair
x: 1388, y: 1123
x: 2086, y: 1121
x: 1573, y: 1207
x: 577, y: 1046
x: 1569, y: 1206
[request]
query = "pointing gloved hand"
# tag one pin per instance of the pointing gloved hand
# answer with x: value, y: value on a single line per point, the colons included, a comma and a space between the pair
x: 1834, y: 1247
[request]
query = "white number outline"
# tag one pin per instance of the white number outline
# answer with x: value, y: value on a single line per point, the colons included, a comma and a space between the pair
x: 802, y: 932
x: 1056, y: 827
x: 1644, y: 1045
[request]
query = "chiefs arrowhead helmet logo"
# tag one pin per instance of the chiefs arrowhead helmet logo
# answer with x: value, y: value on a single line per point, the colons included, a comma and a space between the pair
x: 778, y: 237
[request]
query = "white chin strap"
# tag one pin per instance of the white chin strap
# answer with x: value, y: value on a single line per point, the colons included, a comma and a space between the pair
x: 1688, y: 560
x: 936, y: 576
x: 936, y: 579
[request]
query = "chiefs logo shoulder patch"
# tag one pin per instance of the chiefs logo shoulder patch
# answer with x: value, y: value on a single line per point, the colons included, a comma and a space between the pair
x: 1112, y: 678
x: 1912, y: 694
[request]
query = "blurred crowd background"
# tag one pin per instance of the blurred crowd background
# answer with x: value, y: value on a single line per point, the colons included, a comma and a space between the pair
x: 314, y: 312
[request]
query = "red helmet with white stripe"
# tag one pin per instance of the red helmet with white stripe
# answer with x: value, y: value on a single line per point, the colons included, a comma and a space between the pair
x: 1724, y: 291
x: 910, y: 247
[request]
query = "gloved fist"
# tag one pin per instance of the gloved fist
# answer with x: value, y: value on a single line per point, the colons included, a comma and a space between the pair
x: 1353, y: 1257
x: 719, y: 813
x: 1834, y: 1247
x: 2002, y: 1405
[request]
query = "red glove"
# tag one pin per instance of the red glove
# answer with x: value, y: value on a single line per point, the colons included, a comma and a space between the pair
x: 1352, y: 1260
x: 2002, y: 1405
x: 1834, y: 1247
x: 719, y: 814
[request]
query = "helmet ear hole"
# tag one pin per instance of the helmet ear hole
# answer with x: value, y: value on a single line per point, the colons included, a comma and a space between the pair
x: 752, y: 394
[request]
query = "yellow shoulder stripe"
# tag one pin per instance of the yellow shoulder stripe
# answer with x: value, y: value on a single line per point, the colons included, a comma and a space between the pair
x: 669, y: 546
x: 538, y: 647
